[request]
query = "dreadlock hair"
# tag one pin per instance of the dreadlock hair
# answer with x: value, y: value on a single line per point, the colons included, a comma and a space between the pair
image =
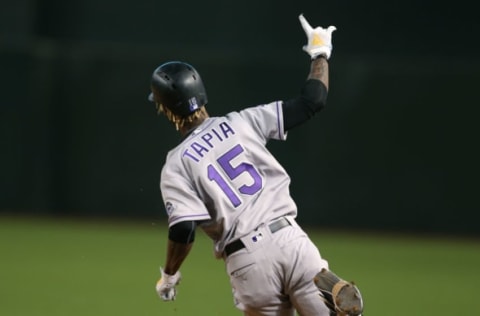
x: 178, y: 121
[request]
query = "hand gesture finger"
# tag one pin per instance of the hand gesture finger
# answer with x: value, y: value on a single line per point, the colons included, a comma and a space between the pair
x: 330, y: 29
x: 306, y: 26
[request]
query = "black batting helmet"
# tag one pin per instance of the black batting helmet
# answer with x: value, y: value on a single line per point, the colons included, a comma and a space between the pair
x: 178, y: 87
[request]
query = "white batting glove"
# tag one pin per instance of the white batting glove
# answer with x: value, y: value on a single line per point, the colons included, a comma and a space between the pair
x: 166, y: 285
x: 319, y: 39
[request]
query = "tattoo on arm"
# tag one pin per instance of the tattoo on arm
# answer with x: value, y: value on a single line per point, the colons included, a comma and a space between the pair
x: 319, y: 70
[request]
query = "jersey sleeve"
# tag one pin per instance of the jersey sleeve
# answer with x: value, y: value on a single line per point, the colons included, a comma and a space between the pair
x: 181, y: 200
x: 266, y: 120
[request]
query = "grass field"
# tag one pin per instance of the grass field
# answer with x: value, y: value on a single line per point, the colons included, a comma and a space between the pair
x: 69, y: 268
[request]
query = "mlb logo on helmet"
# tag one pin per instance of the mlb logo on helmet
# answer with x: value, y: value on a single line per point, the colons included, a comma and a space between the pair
x: 192, y: 102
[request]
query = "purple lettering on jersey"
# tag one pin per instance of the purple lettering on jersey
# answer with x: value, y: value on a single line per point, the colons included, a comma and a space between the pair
x: 207, y: 140
x: 186, y: 153
x: 216, y: 134
x: 226, y: 129
x: 225, y: 162
x: 198, y: 148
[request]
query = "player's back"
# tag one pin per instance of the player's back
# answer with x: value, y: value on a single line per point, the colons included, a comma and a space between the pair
x: 224, y: 164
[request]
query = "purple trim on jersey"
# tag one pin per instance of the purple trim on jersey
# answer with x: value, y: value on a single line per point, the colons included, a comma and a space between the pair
x: 280, y: 132
x: 188, y: 217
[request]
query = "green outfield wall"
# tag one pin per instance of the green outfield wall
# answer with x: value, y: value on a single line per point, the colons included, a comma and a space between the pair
x: 396, y: 148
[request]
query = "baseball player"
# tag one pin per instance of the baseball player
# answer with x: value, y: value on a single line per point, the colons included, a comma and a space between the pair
x: 222, y: 179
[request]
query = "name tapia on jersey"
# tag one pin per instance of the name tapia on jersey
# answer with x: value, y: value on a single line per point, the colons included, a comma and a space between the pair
x: 207, y: 141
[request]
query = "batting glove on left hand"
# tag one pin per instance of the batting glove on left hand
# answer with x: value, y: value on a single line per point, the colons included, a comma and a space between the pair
x: 319, y: 39
x: 166, y: 285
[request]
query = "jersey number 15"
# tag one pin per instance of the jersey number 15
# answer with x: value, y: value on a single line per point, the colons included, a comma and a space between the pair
x: 233, y: 172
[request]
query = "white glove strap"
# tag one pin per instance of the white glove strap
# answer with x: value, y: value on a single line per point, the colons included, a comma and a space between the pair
x: 170, y: 280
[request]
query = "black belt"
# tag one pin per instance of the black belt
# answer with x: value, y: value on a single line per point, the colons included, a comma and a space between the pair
x: 274, y: 227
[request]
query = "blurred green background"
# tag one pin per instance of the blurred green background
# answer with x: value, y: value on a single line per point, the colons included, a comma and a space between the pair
x: 77, y: 267
x: 396, y: 147
x: 385, y: 178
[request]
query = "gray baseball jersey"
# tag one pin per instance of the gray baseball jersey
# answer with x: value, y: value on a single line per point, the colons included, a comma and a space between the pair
x: 223, y: 174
